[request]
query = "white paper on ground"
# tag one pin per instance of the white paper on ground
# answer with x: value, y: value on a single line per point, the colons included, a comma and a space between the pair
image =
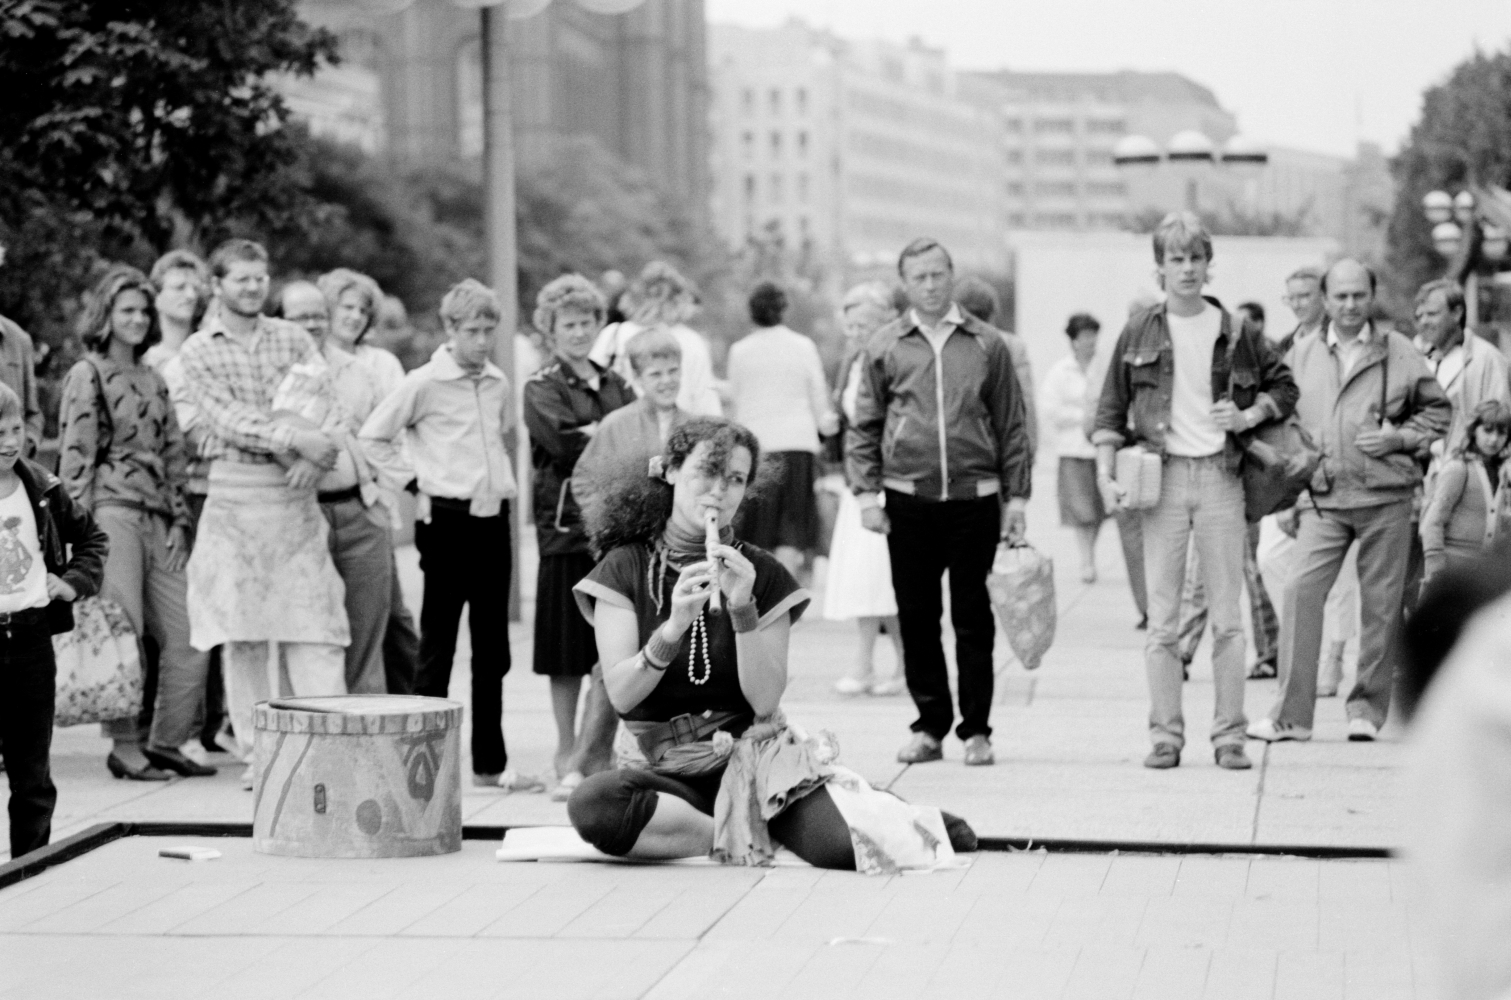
x: 189, y: 853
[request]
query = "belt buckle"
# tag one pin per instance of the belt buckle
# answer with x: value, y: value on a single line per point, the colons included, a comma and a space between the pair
x: 684, y: 729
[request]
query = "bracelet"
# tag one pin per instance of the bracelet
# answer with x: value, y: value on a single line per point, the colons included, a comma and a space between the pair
x: 643, y: 662
x: 744, y: 617
x: 659, y: 651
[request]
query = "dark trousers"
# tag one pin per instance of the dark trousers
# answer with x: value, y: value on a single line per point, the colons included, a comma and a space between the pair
x: 28, y: 674
x: 466, y: 560
x: 927, y: 538
x: 401, y: 643
x: 214, y: 712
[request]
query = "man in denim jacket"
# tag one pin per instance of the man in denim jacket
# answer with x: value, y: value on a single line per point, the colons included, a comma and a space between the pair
x: 1185, y: 381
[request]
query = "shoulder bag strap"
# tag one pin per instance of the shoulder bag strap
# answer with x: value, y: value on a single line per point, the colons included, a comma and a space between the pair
x: 103, y: 419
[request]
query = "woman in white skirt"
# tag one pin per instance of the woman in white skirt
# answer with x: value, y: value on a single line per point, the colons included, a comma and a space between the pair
x: 860, y: 570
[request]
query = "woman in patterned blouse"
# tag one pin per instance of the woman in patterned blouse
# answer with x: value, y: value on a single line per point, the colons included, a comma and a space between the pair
x: 123, y: 459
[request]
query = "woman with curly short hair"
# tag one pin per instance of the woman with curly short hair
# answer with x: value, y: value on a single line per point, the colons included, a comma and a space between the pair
x: 661, y: 296
x: 565, y: 403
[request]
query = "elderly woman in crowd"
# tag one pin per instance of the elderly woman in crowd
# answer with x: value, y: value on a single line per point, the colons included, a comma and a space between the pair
x: 565, y: 403
x: 661, y: 296
x: 1062, y: 402
x: 122, y: 459
x: 718, y: 770
x: 859, y: 585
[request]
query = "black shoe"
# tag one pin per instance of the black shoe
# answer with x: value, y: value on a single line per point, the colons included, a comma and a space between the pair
x: 1185, y: 670
x: 1231, y: 757
x: 1142, y: 625
x: 174, y: 760
x: 121, y: 769
x: 962, y: 837
x: 1163, y: 756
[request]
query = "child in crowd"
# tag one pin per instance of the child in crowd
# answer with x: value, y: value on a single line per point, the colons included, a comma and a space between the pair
x: 39, y: 578
x: 441, y: 435
x: 1465, y: 510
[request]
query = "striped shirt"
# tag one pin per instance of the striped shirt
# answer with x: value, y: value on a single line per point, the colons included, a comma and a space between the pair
x: 232, y: 383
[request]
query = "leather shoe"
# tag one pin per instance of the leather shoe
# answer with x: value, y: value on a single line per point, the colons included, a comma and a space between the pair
x: 121, y: 769
x: 921, y: 749
x: 1164, y: 755
x: 1231, y: 757
x: 174, y: 760
x: 978, y: 752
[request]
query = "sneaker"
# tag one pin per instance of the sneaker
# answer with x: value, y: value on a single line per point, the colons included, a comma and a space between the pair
x: 1163, y: 756
x: 850, y: 686
x: 978, y: 752
x: 1362, y: 731
x: 1231, y: 757
x: 921, y: 749
x: 1274, y: 732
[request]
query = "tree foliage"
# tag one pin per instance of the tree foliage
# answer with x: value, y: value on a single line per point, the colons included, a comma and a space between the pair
x: 1463, y: 136
x: 153, y: 116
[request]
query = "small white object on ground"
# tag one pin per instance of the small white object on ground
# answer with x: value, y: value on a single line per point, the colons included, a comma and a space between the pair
x: 189, y: 853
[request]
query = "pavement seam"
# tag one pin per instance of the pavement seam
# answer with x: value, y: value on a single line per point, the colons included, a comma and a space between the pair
x: 1264, y: 767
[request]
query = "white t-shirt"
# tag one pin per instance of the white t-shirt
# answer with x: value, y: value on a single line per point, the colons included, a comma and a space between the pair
x: 1193, y: 433
x: 23, y: 574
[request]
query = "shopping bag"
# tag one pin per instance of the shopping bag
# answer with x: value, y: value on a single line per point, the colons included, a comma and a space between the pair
x: 99, y: 665
x: 1022, y: 589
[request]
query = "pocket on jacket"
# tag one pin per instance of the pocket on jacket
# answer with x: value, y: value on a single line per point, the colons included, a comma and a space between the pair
x: 1394, y: 471
x: 1143, y: 368
x: 894, y: 431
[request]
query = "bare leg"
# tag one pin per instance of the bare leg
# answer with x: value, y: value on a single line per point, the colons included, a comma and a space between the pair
x: 1086, y: 541
x: 870, y: 630
x: 676, y: 830
x: 564, y: 695
x: 595, y: 744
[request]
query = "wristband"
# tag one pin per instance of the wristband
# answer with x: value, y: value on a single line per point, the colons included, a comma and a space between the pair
x: 643, y: 661
x: 745, y: 617
x: 659, y: 651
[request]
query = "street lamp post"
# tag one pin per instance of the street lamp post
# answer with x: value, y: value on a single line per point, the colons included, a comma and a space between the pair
x: 1470, y: 230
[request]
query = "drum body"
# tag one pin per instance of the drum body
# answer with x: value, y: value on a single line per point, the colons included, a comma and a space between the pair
x: 358, y: 776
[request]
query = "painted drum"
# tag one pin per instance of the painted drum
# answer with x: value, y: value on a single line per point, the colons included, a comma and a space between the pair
x: 358, y: 776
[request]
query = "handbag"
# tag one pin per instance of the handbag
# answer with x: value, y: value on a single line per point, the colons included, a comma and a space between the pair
x: 1137, y: 471
x: 99, y: 665
x: 1280, y: 459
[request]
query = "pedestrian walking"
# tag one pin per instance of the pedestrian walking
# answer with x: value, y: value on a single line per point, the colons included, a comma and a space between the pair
x: 566, y: 402
x: 261, y: 580
x: 939, y: 426
x: 859, y: 584
x: 1468, y: 509
x: 122, y: 458
x: 777, y: 389
x: 1369, y: 400
x: 1185, y: 380
x: 661, y: 296
x: 1062, y: 400
x: 442, y: 435
x: 51, y: 554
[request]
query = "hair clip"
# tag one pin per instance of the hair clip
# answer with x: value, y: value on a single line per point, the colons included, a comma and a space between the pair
x: 657, y: 468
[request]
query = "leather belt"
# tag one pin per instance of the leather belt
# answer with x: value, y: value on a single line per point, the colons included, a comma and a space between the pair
x: 26, y: 616
x: 657, y: 740
x: 341, y: 496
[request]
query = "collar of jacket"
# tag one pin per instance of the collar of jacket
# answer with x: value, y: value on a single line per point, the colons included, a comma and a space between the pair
x: 570, y: 376
x: 447, y: 370
x: 1161, y: 311
x: 968, y: 324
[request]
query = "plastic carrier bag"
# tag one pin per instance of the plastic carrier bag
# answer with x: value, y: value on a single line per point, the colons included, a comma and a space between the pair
x: 1022, y: 588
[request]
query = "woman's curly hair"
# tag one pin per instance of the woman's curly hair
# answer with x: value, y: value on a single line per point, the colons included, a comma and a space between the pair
x: 1492, y: 415
x: 570, y: 291
x: 99, y: 303
x: 629, y: 505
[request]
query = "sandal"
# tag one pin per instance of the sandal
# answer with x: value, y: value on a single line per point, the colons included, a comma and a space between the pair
x: 566, y: 786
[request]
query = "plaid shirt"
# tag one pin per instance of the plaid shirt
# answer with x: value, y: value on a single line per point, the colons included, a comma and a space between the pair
x: 232, y: 384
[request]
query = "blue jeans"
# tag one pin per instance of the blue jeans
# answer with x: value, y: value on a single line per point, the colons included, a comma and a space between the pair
x: 1202, y: 502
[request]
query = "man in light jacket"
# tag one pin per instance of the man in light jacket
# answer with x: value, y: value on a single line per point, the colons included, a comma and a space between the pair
x: 940, y: 426
x: 1369, y: 400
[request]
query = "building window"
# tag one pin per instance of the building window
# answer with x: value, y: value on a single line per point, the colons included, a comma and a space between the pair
x: 802, y: 226
x: 747, y: 144
x: 1055, y: 220
x: 802, y: 189
x: 1015, y: 189
x: 776, y: 145
x: 1054, y: 126
x: 1105, y: 126
x: 1107, y: 189
x: 1013, y: 125
x: 892, y: 68
x: 1015, y: 156
x: 802, y: 144
x: 750, y: 183
x: 1098, y: 157
x: 776, y: 101
x: 747, y: 101
x: 1055, y: 189
x: 802, y: 100
x: 776, y: 189
x: 1016, y: 220
x: 1055, y: 157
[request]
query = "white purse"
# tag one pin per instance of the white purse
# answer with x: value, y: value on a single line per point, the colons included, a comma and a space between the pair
x: 99, y: 665
x: 1137, y: 471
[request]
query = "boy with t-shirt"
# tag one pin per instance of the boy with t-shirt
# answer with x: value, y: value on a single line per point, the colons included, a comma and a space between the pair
x: 39, y: 578
x: 1185, y: 383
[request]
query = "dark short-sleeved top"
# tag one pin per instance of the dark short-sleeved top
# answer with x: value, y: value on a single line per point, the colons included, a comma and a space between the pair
x: 621, y: 580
